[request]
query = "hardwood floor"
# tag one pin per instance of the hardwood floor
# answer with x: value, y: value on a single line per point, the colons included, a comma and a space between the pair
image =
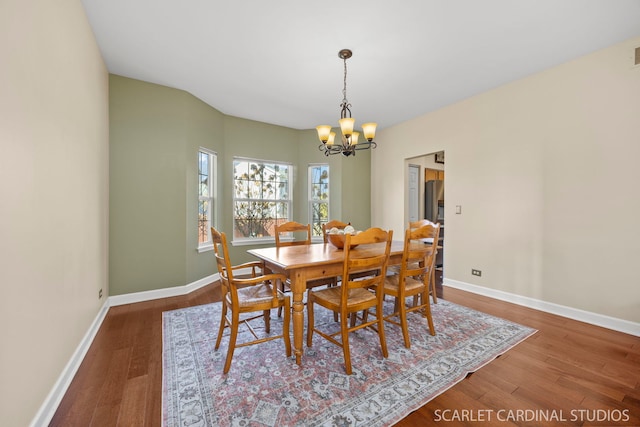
x: 568, y: 371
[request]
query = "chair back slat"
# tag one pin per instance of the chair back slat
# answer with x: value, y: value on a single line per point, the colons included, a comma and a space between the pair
x: 300, y: 232
x: 420, y: 223
x: 420, y: 247
x: 371, y: 255
x: 331, y: 224
x: 221, y: 252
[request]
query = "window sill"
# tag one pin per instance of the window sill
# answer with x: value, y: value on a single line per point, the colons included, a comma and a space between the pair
x: 256, y: 241
x: 205, y: 248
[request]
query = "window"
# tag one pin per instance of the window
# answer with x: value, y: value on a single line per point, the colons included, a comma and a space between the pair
x: 261, y: 197
x: 206, y: 197
x: 318, y: 197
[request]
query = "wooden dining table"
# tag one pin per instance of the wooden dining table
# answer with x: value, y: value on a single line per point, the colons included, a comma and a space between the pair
x: 304, y: 263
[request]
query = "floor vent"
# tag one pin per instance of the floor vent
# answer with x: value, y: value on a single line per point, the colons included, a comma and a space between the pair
x: 636, y: 60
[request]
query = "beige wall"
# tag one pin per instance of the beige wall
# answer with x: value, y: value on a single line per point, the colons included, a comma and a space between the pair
x: 53, y: 195
x: 546, y: 171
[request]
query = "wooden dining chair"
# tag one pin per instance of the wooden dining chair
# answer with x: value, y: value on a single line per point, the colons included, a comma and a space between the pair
x: 432, y: 282
x: 334, y: 223
x: 300, y: 234
x: 243, y: 297
x: 355, y: 294
x: 420, y: 223
x: 413, y: 279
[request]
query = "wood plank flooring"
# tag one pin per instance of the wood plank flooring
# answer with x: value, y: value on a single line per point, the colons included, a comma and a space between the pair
x: 569, y: 370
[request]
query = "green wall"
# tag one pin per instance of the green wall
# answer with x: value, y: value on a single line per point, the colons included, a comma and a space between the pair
x: 155, y: 133
x: 205, y: 127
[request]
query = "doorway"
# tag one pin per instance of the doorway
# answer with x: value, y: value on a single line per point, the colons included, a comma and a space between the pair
x: 414, y: 192
x: 418, y: 171
x: 424, y: 198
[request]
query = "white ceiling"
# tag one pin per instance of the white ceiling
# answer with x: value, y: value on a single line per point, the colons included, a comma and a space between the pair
x: 277, y: 61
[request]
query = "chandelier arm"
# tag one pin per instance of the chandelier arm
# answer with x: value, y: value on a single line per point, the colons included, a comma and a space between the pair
x: 365, y: 145
x: 336, y: 149
x: 345, y: 109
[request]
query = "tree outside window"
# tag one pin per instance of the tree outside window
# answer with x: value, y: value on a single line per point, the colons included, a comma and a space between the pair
x: 261, y: 197
x: 318, y: 197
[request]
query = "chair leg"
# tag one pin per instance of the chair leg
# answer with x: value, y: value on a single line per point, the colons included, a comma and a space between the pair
x: 310, y: 319
x: 427, y: 313
x: 353, y: 317
x: 333, y: 283
x: 432, y: 286
x: 383, y: 339
x: 344, y: 332
x: 232, y: 340
x: 280, y: 308
x: 402, y: 312
x: 267, y: 320
x: 223, y: 320
x: 285, y: 327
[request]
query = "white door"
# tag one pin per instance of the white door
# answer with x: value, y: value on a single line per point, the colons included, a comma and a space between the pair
x: 414, y: 193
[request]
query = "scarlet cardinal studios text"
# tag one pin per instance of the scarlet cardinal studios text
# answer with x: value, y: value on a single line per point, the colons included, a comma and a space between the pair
x: 619, y: 416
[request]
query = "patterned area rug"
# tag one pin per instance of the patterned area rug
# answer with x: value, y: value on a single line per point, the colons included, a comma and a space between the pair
x: 265, y: 388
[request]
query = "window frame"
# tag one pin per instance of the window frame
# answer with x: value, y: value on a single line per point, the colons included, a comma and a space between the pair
x: 211, y: 198
x: 239, y: 241
x: 312, y: 201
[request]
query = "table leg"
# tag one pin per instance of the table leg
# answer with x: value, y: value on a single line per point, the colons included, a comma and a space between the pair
x: 298, y: 287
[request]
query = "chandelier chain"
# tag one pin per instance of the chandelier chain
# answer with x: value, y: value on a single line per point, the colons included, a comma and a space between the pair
x: 344, y: 90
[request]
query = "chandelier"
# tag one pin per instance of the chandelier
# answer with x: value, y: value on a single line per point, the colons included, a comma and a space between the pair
x: 350, y: 139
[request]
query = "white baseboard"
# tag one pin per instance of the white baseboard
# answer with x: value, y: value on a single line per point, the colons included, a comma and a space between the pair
x: 162, y: 293
x: 608, y: 322
x: 50, y: 405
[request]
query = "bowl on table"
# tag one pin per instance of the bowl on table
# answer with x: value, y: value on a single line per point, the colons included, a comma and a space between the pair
x: 338, y: 240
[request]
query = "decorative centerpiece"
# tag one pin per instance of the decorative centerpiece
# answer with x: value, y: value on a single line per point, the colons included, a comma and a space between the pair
x: 337, y: 236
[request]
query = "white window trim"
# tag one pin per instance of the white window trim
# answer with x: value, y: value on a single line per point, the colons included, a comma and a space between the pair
x: 247, y: 241
x: 213, y: 196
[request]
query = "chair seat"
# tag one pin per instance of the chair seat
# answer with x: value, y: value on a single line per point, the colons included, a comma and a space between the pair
x: 331, y: 297
x: 256, y: 295
x: 395, y: 269
x: 412, y: 286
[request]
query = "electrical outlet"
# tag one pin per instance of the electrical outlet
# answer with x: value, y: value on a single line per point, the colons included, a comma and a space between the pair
x: 100, y: 294
x: 476, y: 272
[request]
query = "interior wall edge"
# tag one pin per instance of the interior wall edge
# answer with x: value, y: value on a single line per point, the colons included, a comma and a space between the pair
x: 52, y: 401
x: 50, y: 405
x: 620, y: 325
